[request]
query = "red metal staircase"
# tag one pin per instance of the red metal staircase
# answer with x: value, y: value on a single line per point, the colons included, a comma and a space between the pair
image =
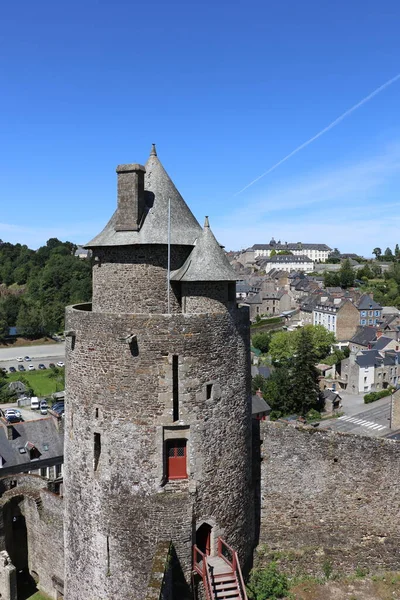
x: 221, y: 574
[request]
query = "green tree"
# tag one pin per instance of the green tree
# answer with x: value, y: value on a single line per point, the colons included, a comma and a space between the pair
x: 322, y: 339
x: 346, y: 274
x: 365, y: 272
x: 331, y: 279
x: 397, y: 251
x: 279, y: 392
x: 3, y: 323
x: 305, y: 374
x: 258, y: 382
x: 267, y: 584
x: 273, y: 252
x: 282, y: 346
x: 261, y: 341
x: 377, y: 252
x: 388, y: 254
x: 376, y: 270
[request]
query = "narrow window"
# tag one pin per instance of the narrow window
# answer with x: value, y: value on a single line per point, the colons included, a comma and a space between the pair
x: 176, y: 459
x: 108, y: 556
x: 209, y: 388
x: 175, y: 388
x: 97, y: 450
x: 97, y: 413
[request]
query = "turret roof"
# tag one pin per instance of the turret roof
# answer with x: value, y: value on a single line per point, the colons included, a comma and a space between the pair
x: 206, y: 262
x: 159, y: 188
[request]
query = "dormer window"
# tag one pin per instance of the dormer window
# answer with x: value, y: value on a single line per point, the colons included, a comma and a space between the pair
x: 33, y: 452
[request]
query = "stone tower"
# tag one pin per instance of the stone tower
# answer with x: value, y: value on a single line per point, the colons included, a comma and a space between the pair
x: 158, y: 419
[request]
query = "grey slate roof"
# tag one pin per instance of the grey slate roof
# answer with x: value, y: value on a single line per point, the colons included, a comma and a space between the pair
x: 381, y: 342
x: 154, y: 229
x: 367, y: 303
x: 258, y: 405
x: 206, y: 262
x: 329, y: 395
x: 368, y: 358
x: 364, y: 336
x: 290, y: 246
x: 41, y: 433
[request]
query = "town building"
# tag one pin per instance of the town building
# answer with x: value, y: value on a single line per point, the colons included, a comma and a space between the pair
x: 370, y: 311
x: 315, y: 252
x: 369, y: 370
x: 287, y: 262
x: 338, y: 316
x: 35, y: 446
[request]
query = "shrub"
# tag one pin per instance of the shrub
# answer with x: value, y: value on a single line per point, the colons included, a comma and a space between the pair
x: 275, y: 415
x: 327, y: 568
x: 372, y: 396
x: 313, y: 415
x: 267, y: 584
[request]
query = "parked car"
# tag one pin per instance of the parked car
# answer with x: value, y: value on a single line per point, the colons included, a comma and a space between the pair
x: 12, y: 415
x: 20, y: 359
x: 34, y: 403
x: 60, y: 363
x: 13, y: 370
x: 41, y: 366
x: 4, y: 370
x: 52, y: 366
x: 31, y: 368
x: 21, y: 368
x: 27, y: 358
x: 43, y: 407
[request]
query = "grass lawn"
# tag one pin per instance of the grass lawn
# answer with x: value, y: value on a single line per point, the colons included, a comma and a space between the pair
x: 20, y: 341
x: 38, y: 596
x: 39, y: 381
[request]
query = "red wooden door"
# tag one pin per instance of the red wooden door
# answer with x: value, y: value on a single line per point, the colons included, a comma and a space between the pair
x: 176, y: 459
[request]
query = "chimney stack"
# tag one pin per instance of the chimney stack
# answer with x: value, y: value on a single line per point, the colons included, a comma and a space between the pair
x: 130, y: 197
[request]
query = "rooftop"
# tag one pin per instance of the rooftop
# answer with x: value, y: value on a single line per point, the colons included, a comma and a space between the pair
x: 159, y: 191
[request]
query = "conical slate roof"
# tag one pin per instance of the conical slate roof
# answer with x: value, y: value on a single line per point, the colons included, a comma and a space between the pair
x: 159, y: 189
x: 206, y: 262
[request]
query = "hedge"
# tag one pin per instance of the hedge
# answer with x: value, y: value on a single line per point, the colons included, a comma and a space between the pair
x: 372, y: 396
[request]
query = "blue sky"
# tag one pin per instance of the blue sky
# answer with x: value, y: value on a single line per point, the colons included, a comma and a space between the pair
x: 226, y: 90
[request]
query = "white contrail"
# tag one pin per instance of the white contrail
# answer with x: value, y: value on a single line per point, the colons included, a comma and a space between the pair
x: 330, y: 126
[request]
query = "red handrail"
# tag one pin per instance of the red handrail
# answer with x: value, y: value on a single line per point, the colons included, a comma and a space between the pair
x: 234, y: 564
x: 203, y: 571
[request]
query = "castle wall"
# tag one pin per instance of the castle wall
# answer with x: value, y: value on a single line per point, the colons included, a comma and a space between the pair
x: 123, y: 393
x: 26, y: 497
x: 328, y: 497
x: 46, y: 540
x: 133, y: 279
x: 201, y: 297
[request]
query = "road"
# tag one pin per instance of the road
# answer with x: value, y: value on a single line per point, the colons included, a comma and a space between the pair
x: 39, y: 354
x: 370, y: 419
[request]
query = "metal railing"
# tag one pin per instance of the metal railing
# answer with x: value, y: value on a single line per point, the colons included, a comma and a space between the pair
x: 201, y: 568
x: 229, y: 555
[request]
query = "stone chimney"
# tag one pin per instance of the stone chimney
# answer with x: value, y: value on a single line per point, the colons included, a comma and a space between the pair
x: 130, y: 197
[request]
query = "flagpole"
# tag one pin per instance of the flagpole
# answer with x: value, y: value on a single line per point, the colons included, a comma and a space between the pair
x: 169, y: 255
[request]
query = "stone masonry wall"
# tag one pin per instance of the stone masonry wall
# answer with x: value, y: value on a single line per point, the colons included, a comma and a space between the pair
x: 348, y: 320
x: 133, y: 279
x: 123, y: 393
x: 43, y: 513
x: 327, y: 496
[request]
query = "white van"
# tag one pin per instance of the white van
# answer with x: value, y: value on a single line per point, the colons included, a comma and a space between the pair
x: 34, y: 403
